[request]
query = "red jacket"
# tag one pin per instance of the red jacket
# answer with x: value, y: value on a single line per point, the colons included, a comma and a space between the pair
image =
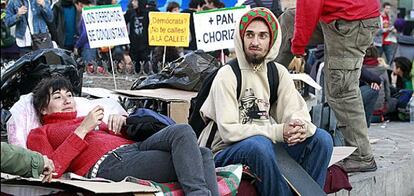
x: 310, y: 12
x: 56, y: 139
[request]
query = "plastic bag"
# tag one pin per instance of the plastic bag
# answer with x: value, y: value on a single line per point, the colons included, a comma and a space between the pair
x: 185, y: 73
x: 21, y: 77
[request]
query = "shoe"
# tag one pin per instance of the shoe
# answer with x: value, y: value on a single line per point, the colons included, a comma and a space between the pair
x: 350, y: 165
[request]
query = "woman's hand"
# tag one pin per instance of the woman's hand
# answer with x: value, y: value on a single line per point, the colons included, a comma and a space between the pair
x: 93, y: 119
x: 115, y: 122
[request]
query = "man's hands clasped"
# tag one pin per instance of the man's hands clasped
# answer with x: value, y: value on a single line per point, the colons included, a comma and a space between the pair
x: 294, y: 132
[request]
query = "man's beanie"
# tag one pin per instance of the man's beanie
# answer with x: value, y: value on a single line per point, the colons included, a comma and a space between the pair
x: 265, y: 15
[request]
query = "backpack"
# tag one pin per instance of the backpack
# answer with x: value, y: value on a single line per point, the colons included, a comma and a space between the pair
x: 143, y: 123
x: 195, y: 120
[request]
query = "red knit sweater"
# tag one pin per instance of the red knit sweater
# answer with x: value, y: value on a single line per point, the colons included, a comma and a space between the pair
x: 309, y: 12
x: 56, y: 139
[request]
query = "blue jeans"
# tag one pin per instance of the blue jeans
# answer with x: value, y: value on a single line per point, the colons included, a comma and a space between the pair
x: 369, y: 98
x: 257, y: 153
x: 388, y: 50
x: 169, y: 155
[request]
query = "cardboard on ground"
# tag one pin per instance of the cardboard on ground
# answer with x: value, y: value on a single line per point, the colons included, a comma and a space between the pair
x: 105, y: 25
x: 165, y: 94
x: 339, y: 153
x: 307, y: 79
x: 169, y: 29
x: 97, y: 187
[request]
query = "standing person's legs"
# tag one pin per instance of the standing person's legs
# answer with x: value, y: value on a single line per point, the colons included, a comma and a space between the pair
x: 257, y: 153
x: 190, y: 164
x: 345, y: 46
x: 135, y: 59
x: 389, y: 50
x: 314, y: 154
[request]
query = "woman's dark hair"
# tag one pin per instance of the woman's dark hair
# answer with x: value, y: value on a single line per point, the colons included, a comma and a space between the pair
x: 171, y: 5
x: 41, y: 93
x: 404, y: 64
x: 372, y: 52
x: 195, y: 3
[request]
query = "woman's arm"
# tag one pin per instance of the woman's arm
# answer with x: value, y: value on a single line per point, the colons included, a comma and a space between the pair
x: 63, y: 155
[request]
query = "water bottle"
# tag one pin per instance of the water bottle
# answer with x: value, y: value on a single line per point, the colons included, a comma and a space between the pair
x: 411, y: 108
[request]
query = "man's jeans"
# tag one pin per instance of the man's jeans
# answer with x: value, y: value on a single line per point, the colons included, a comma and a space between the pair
x: 171, y: 154
x: 257, y: 153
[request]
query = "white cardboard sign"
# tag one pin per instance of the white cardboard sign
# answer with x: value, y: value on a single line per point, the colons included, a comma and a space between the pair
x: 105, y: 26
x: 215, y: 29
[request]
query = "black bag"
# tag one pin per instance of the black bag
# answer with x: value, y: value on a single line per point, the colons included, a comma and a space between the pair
x: 195, y: 120
x: 29, y: 69
x: 41, y: 41
x: 186, y: 73
x: 143, y: 123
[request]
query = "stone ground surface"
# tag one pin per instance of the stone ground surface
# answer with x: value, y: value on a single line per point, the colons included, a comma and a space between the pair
x: 394, y: 154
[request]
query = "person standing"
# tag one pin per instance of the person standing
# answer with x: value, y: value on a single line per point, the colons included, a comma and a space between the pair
x: 30, y: 18
x: 348, y: 29
x: 66, y: 19
x: 137, y: 20
x: 386, y: 36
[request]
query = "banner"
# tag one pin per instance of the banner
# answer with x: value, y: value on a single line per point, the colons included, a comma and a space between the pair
x: 215, y: 28
x: 105, y: 26
x: 169, y: 29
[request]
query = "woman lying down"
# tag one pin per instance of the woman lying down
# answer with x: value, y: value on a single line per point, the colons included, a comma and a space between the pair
x: 89, y: 147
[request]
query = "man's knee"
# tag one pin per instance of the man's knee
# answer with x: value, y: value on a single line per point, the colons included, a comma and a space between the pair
x: 323, y: 139
x: 259, y: 146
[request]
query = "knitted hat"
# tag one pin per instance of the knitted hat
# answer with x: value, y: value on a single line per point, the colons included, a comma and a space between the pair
x: 266, y: 15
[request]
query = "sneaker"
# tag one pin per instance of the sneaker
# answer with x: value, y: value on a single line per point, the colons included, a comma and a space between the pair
x: 351, y: 165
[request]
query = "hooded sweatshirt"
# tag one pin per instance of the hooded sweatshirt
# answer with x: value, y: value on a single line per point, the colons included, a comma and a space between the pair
x: 252, y: 114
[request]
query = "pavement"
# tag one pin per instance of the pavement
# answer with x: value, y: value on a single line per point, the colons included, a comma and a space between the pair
x: 393, y: 148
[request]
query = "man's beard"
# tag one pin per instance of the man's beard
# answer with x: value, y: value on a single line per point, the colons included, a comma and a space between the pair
x: 254, y: 59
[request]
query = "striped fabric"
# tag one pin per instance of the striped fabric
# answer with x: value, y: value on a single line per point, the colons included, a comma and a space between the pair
x: 228, y: 179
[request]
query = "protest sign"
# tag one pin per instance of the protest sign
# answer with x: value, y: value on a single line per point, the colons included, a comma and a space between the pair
x: 215, y: 28
x: 169, y: 29
x: 105, y: 26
